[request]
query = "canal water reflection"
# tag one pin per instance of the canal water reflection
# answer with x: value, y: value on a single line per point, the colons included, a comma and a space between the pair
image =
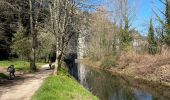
x: 112, y: 87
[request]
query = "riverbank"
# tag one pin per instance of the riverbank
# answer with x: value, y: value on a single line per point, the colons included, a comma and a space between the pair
x: 148, y: 68
x: 62, y: 87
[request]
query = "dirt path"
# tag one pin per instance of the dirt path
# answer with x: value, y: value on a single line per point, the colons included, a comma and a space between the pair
x: 24, y: 87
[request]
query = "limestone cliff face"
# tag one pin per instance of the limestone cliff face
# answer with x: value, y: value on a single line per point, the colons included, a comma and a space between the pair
x: 81, y: 46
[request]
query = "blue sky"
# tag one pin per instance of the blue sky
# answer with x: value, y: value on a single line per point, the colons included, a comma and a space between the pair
x: 143, y: 12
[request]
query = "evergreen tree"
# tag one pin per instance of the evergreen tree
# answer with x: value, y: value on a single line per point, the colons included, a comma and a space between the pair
x: 125, y: 37
x: 152, y: 47
x: 167, y: 23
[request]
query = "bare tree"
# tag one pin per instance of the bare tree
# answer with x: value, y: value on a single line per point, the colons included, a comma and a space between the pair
x: 102, y: 34
x: 63, y: 18
x: 124, y: 14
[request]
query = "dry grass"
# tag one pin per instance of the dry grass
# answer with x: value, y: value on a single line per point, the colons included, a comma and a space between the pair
x: 145, y: 58
x: 145, y: 66
x: 154, y: 67
x: 89, y: 62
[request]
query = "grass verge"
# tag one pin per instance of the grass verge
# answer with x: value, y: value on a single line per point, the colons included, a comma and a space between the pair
x: 62, y: 87
x: 19, y: 65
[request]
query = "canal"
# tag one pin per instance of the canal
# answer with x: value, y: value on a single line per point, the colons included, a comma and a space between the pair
x: 107, y: 86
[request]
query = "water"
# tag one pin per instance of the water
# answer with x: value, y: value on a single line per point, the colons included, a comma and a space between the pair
x: 112, y: 87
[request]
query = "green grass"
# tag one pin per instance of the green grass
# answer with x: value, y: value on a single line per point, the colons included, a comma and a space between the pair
x: 19, y: 65
x: 62, y: 87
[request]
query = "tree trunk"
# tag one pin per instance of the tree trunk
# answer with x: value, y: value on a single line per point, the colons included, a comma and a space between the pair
x: 32, y: 55
x: 57, y: 63
x: 54, y: 22
x: 160, y: 52
x: 58, y: 60
x: 55, y: 72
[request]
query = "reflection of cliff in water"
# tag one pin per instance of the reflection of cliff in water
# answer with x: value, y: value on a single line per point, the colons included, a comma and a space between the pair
x: 82, y: 75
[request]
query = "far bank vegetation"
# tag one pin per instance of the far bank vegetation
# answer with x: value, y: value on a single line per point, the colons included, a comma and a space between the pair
x: 115, y: 43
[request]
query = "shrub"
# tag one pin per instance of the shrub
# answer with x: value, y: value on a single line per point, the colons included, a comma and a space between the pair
x: 108, y: 62
x: 153, y: 49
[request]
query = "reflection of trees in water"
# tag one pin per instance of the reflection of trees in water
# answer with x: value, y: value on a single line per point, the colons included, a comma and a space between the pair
x: 126, y: 92
x: 108, y: 87
x: 99, y: 84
